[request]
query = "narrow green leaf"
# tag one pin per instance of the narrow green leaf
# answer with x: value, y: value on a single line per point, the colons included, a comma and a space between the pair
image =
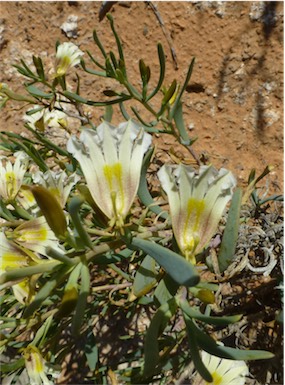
x: 209, y: 345
x: 82, y: 299
x: 110, y: 71
x: 41, y: 334
x: 73, y: 96
x: 70, y: 295
x: 108, y: 114
x: 92, y: 72
x: 99, y: 44
x: 165, y: 290
x: 48, y: 144
x: 265, y: 172
x: 110, y: 102
x: 145, y: 278
x: 93, y: 60
x: 143, y: 191
x: 33, y: 153
x: 156, y: 327
x: 179, y: 121
x: 118, y: 42
x: 39, y: 93
x: 229, y: 241
x: 114, y: 60
x: 161, y: 57
x: 120, y: 76
x: 145, y: 77
x: 124, y: 112
x: 80, y: 99
x: 78, y: 84
x: 82, y: 237
x: 208, y: 286
x: 26, y: 67
x: 251, y: 176
x: 4, y: 212
x: 39, y: 67
x: 182, y: 271
x: 46, y: 290
x: 61, y: 256
x: 169, y: 93
x: 24, y: 72
x: 183, y: 88
x: 107, y: 258
x: 143, y: 122
x: 193, y: 312
x: 34, y: 110
x: 194, y: 350
x: 275, y: 197
x: 24, y: 272
x: 144, y: 72
x: 12, y: 366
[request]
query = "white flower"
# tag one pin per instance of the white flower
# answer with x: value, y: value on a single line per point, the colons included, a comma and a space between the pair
x: 111, y: 159
x: 34, y: 235
x: 58, y: 183
x: 67, y: 55
x: 44, y: 118
x: 223, y: 371
x: 26, y: 199
x: 197, y: 202
x: 36, y: 367
x: 12, y: 175
x: 12, y: 257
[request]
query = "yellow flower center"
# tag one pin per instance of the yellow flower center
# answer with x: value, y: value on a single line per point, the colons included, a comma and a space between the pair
x: 217, y: 379
x: 34, y: 360
x: 39, y: 368
x: 11, y: 183
x: 63, y: 65
x: 40, y: 234
x: 191, y: 236
x: 113, y: 174
x: 12, y: 260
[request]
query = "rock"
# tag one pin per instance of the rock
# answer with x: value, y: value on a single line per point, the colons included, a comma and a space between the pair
x: 221, y: 8
x: 70, y: 27
x: 263, y: 12
x: 256, y: 11
x: 269, y: 86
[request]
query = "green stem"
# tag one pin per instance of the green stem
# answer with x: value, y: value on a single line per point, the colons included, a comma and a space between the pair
x: 102, y: 249
x: 21, y: 212
x: 120, y: 272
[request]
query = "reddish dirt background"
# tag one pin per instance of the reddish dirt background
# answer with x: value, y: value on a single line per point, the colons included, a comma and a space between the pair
x: 237, y: 110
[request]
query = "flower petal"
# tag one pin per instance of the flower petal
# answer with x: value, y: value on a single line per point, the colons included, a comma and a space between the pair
x: 197, y: 201
x: 67, y: 55
x: 35, y: 235
x: 111, y: 160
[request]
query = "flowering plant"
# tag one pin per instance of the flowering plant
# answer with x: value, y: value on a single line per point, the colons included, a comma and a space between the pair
x: 84, y: 240
x: 196, y: 203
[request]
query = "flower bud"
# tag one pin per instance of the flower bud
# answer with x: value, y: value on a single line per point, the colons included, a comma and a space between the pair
x: 51, y: 209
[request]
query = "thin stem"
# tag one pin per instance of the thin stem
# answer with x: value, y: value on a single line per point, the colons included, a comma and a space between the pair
x: 120, y: 272
x: 111, y: 287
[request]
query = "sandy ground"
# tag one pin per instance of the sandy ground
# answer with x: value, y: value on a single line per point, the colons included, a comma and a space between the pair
x: 234, y: 104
